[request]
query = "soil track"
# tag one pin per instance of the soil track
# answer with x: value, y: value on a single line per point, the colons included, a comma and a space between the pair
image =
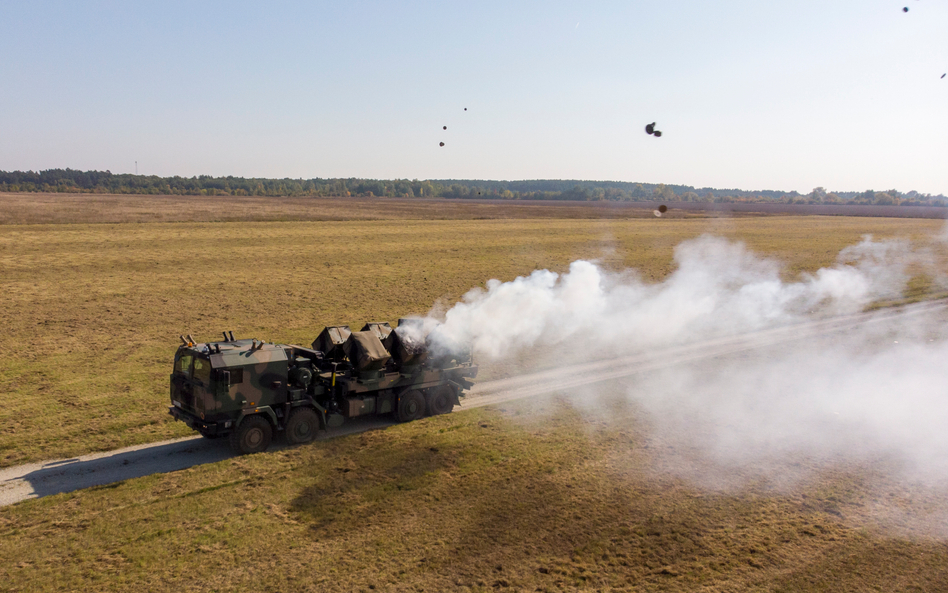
x: 36, y: 480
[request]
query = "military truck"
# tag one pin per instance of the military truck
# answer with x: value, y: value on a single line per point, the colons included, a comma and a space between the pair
x: 248, y: 390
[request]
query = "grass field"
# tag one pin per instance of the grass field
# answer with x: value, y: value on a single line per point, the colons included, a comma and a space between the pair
x: 530, y: 497
x: 29, y: 208
x: 485, y: 499
x: 92, y: 311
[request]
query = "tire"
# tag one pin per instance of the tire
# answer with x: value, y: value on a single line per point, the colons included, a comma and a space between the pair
x: 252, y: 436
x: 302, y: 426
x: 411, y: 406
x: 440, y: 400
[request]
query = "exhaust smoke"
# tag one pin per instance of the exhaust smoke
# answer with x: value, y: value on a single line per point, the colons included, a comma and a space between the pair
x: 719, y: 288
x: 875, y: 393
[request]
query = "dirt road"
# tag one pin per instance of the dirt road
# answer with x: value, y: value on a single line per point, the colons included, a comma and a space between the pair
x: 36, y: 480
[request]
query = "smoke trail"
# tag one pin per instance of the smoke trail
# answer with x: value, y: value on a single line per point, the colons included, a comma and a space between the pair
x: 872, y: 394
x: 718, y: 288
x: 878, y: 392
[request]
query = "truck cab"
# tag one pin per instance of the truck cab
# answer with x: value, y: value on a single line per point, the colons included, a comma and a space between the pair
x: 215, y: 384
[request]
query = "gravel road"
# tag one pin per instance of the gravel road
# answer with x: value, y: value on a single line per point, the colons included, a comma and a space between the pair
x: 35, y: 480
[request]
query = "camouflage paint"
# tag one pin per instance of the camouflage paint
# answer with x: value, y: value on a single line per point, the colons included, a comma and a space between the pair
x: 235, y: 379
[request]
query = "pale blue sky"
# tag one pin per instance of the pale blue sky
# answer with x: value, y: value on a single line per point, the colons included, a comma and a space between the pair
x: 749, y: 94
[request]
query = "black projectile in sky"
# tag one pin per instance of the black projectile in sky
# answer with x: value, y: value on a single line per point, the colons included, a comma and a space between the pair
x: 650, y: 129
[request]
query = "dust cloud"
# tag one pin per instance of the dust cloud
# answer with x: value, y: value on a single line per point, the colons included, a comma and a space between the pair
x: 874, y: 393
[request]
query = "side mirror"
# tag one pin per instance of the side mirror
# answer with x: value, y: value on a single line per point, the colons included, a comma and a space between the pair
x: 225, y: 377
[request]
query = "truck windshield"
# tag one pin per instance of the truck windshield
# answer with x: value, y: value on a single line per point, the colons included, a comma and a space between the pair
x: 202, y: 370
x: 194, y: 367
x: 183, y: 366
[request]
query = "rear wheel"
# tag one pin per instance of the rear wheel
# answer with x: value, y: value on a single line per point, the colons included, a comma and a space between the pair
x: 411, y: 406
x: 252, y: 436
x: 302, y: 426
x: 440, y: 400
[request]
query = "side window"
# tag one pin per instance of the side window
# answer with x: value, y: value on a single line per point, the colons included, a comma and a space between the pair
x: 236, y: 376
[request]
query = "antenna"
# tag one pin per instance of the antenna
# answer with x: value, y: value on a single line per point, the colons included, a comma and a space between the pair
x: 136, y: 167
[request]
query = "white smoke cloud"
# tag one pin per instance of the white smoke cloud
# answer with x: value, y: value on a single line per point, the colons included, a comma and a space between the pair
x: 859, y: 397
x: 877, y: 392
x: 719, y: 288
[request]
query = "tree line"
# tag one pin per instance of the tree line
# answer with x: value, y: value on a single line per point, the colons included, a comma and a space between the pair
x: 73, y: 181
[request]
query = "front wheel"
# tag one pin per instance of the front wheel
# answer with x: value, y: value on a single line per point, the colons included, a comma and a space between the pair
x: 411, y: 406
x: 440, y: 400
x: 302, y: 426
x: 252, y: 436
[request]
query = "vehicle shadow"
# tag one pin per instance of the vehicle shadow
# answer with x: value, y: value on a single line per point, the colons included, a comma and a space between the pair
x: 75, y: 474
x: 68, y: 475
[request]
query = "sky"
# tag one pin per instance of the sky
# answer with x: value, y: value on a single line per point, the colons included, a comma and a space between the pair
x: 790, y: 95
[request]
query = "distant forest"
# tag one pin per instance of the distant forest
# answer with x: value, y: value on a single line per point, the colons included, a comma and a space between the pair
x: 70, y: 181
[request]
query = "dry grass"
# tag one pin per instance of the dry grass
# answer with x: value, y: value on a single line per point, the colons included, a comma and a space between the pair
x: 526, y: 498
x: 34, y: 208
x: 531, y: 497
x: 92, y: 311
x: 56, y: 208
